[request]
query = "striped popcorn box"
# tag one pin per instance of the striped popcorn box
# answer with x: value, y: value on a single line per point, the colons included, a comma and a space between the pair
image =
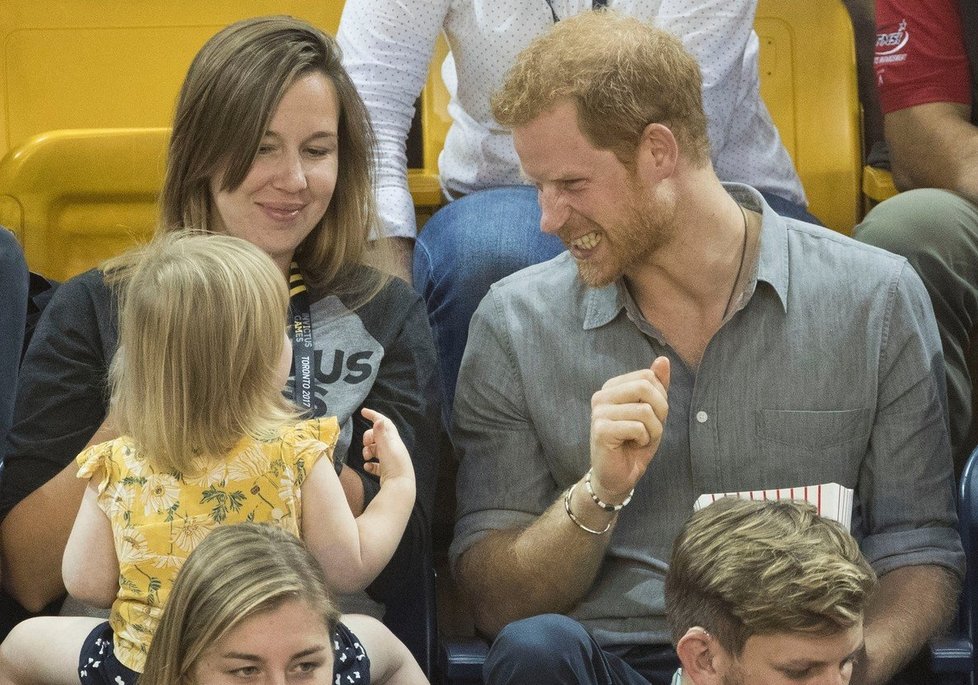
x: 832, y: 500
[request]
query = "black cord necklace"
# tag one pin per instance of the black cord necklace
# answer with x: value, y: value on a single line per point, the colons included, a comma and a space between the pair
x: 595, y: 4
x: 740, y: 267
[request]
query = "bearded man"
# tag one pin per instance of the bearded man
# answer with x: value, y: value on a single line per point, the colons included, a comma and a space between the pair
x: 785, y: 355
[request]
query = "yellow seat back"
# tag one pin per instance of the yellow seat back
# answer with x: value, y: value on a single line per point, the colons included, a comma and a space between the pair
x: 808, y: 82
x: 86, y: 89
x: 77, y: 197
x: 67, y: 64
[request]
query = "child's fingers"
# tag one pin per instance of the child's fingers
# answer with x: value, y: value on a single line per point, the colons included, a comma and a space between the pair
x: 380, y: 422
x: 372, y: 467
x: 372, y: 416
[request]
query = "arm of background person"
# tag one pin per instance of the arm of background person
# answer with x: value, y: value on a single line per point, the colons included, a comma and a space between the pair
x: 61, y: 402
x: 387, y: 47
x: 716, y: 33
x: 911, y: 604
x: 924, y: 83
x: 13, y: 318
x: 407, y: 390
x: 396, y: 257
x: 934, y: 146
x: 906, y: 487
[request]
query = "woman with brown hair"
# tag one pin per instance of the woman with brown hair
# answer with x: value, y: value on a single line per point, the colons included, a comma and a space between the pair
x: 272, y: 144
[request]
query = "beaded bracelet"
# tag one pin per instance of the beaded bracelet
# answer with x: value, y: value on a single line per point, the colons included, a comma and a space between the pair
x: 604, y: 505
x: 567, y: 508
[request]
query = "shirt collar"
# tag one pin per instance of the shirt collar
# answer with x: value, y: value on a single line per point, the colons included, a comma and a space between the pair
x: 602, y: 305
x: 772, y: 256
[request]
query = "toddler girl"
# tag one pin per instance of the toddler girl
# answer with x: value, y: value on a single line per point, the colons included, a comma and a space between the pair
x: 208, y: 440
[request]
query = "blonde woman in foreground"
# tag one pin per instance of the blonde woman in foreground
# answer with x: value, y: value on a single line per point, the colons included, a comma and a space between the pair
x: 252, y: 605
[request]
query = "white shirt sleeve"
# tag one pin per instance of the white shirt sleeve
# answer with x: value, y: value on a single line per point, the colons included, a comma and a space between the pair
x: 716, y: 33
x: 387, y: 46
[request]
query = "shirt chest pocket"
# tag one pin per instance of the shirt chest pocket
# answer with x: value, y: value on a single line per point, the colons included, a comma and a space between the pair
x: 810, y: 447
x: 813, y: 430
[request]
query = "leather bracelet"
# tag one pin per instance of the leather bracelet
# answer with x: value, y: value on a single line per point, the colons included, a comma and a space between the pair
x: 597, y: 500
x: 567, y: 508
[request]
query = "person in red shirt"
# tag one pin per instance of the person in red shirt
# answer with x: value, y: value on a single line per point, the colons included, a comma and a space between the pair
x: 926, y: 64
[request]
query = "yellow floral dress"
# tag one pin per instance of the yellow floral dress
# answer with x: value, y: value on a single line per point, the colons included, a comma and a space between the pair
x: 159, y: 517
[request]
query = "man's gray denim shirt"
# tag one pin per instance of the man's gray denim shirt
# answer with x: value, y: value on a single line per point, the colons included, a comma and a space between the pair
x: 830, y: 372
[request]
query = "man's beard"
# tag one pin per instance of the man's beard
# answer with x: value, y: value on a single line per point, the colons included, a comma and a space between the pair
x: 646, y: 228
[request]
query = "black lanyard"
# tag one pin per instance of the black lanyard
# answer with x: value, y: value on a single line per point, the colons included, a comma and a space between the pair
x: 595, y: 4
x: 302, y: 344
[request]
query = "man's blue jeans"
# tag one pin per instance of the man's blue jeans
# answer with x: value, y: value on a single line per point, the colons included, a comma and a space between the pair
x: 551, y: 649
x: 474, y: 241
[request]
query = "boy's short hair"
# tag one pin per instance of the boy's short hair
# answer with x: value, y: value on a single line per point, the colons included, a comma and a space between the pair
x: 742, y: 567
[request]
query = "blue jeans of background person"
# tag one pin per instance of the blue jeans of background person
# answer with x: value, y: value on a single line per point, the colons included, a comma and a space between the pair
x: 474, y: 241
x: 552, y: 648
x: 14, y: 279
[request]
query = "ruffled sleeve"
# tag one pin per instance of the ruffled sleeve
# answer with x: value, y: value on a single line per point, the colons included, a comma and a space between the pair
x: 97, y: 461
x: 103, y: 464
x: 310, y: 440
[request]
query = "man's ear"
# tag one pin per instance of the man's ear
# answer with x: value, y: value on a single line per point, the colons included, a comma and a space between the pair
x: 698, y: 652
x: 657, y: 153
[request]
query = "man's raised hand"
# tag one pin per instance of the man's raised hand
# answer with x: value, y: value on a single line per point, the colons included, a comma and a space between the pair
x: 627, y: 418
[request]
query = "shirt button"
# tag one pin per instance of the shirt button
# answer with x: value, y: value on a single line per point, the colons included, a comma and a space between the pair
x: 702, y: 416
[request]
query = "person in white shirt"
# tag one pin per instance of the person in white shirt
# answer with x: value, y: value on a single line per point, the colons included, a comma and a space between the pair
x: 766, y: 592
x: 490, y: 227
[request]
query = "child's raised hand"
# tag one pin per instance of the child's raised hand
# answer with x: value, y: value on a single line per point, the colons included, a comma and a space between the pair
x: 384, y: 453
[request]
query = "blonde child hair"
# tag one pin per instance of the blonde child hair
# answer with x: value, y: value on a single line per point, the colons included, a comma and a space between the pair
x: 201, y: 325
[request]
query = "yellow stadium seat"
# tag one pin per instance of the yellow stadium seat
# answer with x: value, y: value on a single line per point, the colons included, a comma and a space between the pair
x: 877, y: 185
x: 111, y: 64
x: 808, y: 81
x: 77, y: 197
x: 87, y: 91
